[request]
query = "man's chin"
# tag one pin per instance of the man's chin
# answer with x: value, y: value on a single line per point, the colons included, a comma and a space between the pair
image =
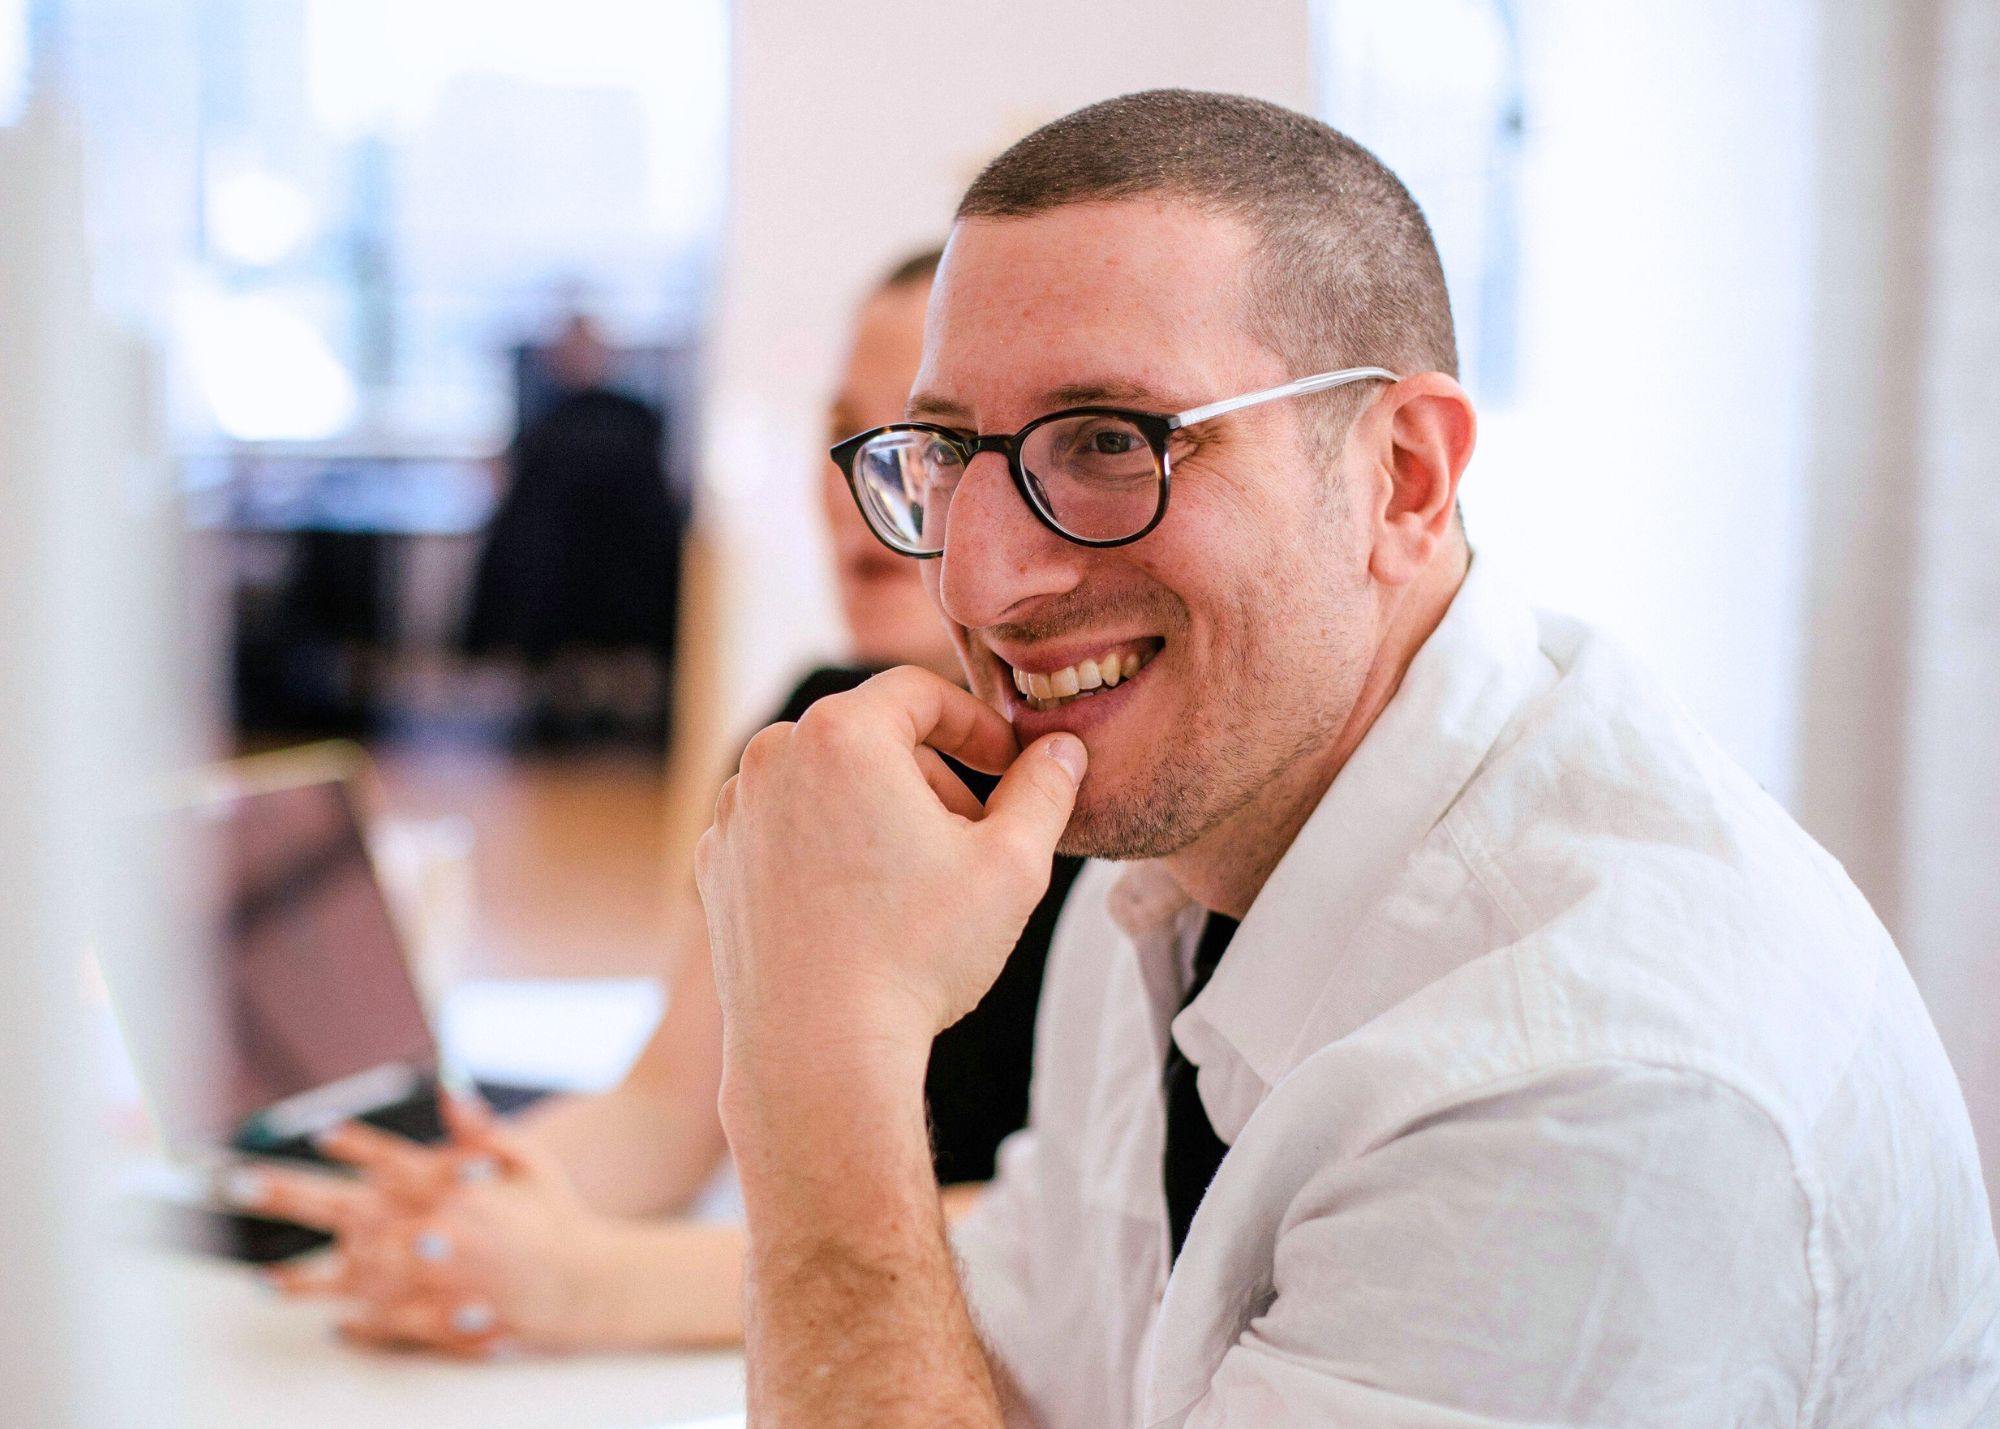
x: 1124, y: 827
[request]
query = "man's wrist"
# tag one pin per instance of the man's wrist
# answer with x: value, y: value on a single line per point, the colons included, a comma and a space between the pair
x: 829, y: 1085
x: 821, y: 1135
x: 865, y: 1057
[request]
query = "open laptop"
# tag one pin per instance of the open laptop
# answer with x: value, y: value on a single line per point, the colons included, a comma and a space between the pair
x: 288, y: 1004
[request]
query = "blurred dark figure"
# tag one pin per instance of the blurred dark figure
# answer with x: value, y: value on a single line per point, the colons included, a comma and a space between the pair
x: 580, y: 572
x: 309, y: 644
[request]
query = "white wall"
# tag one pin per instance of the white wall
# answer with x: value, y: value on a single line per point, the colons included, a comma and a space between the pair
x: 1652, y: 474
x: 856, y: 128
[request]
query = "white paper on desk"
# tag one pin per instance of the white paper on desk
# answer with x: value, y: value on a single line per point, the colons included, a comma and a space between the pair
x: 572, y: 1034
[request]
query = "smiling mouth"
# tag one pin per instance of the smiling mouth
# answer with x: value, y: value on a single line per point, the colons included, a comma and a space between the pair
x: 1052, y: 689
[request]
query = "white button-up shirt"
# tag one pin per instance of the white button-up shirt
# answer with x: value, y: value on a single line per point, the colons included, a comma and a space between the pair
x: 1566, y: 1082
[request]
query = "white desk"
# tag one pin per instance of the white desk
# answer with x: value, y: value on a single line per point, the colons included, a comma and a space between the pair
x: 238, y: 1355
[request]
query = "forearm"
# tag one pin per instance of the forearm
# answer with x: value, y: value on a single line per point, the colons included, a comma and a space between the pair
x: 859, y: 899
x: 632, y: 1151
x: 854, y: 1315
x: 663, y: 1285
x: 650, y: 1145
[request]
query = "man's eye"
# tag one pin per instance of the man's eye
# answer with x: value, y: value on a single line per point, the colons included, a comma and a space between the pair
x: 1100, y: 439
x: 940, y: 455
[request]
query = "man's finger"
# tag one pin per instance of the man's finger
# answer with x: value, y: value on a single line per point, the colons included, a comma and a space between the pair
x: 311, y: 1198
x: 934, y: 711
x: 1037, y: 793
x: 949, y: 788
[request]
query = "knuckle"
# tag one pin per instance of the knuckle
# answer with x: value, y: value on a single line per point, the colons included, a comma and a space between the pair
x: 725, y: 800
x: 831, y: 725
x: 766, y: 745
x: 895, y: 680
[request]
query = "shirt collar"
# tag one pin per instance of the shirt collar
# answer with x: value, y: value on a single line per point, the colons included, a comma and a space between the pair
x: 1460, y: 690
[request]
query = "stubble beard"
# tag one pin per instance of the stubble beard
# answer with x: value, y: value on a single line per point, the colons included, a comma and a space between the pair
x: 1134, y: 824
x: 1194, y: 787
x: 1224, y: 759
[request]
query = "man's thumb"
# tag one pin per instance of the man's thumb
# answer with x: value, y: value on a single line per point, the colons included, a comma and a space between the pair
x: 1039, y: 788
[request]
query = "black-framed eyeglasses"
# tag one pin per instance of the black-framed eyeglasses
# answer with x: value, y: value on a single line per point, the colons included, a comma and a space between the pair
x: 1097, y: 476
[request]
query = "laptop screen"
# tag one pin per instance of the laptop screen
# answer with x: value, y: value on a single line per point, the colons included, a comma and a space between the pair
x: 297, y: 992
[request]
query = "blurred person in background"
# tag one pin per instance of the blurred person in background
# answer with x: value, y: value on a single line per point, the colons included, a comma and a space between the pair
x: 553, y: 1231
x: 579, y: 575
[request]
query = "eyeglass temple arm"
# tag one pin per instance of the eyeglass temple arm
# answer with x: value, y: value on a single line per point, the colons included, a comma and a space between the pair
x: 1318, y: 382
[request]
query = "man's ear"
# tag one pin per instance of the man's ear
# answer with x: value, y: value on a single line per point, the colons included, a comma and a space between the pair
x: 1426, y: 429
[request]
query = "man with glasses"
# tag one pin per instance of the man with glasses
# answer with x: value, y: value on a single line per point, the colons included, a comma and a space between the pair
x: 1448, y: 1035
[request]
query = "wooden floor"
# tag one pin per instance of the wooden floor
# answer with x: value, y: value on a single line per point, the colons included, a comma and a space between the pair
x: 566, y: 853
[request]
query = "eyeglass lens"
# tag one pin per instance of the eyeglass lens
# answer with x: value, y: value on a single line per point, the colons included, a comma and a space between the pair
x: 1094, y: 474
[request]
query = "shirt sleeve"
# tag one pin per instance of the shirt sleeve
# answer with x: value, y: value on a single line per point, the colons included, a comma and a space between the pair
x: 1610, y: 1245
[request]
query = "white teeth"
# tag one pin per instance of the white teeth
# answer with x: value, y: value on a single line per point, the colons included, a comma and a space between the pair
x: 1046, y: 691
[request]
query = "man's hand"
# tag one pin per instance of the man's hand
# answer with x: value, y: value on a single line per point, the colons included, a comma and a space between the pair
x: 859, y: 899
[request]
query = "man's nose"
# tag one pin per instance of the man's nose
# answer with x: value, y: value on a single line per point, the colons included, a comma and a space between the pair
x: 998, y: 556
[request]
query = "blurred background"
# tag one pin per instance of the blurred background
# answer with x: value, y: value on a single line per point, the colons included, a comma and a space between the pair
x: 306, y: 306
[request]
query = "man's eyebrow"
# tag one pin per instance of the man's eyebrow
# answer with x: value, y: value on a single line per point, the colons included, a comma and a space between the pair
x: 1114, y: 391
x: 929, y: 407
x: 926, y: 406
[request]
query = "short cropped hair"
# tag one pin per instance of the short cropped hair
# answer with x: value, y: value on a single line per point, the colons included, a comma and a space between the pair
x: 1346, y: 273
